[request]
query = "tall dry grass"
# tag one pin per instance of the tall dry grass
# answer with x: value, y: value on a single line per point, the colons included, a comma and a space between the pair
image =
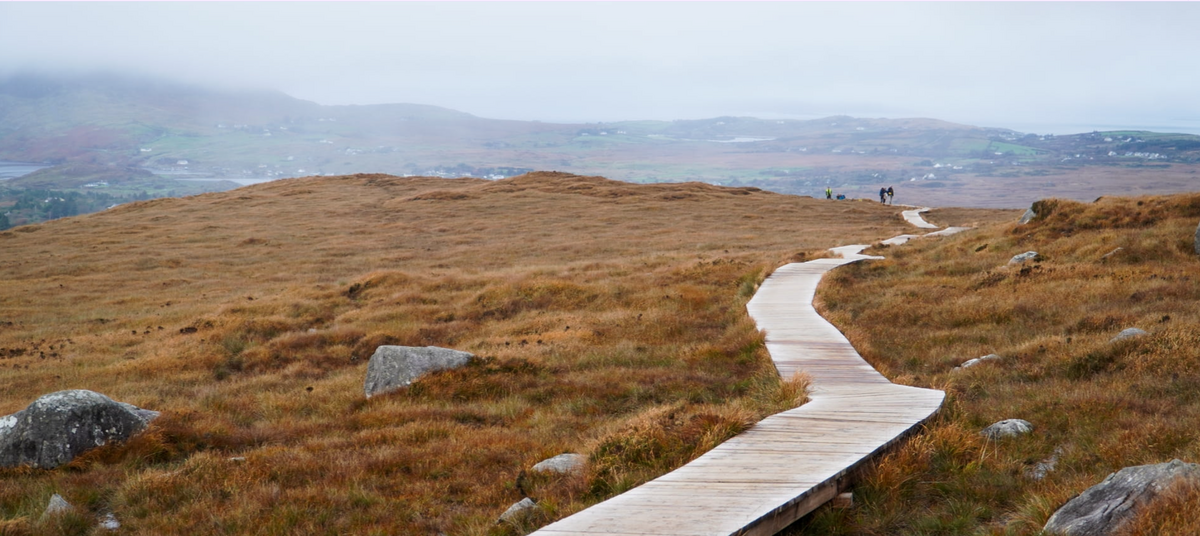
x: 1096, y: 406
x: 609, y: 319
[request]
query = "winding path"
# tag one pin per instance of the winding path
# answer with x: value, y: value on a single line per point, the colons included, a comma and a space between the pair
x: 790, y: 463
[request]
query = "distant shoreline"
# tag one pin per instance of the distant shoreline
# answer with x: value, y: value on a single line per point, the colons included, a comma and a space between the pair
x: 13, y: 170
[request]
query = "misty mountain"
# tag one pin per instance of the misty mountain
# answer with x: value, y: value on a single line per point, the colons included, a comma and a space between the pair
x: 176, y: 130
x: 111, y: 117
x: 57, y: 118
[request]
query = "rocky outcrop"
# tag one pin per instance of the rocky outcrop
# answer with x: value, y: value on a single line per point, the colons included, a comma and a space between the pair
x: 57, y: 427
x: 563, y: 463
x: 1027, y: 256
x: 395, y: 367
x: 972, y: 362
x: 1007, y: 428
x: 1129, y: 333
x: 1105, y: 508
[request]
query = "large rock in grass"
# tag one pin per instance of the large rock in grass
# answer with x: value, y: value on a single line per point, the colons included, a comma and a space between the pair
x: 518, y: 512
x: 57, y: 427
x: 1129, y: 333
x: 1007, y: 428
x: 1027, y: 256
x: 395, y: 367
x: 57, y: 506
x: 972, y: 362
x: 562, y: 464
x: 1027, y: 217
x: 1106, y: 507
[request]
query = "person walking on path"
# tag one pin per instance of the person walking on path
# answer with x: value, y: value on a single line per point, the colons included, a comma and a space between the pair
x: 828, y: 193
x: 891, y: 193
x: 882, y: 195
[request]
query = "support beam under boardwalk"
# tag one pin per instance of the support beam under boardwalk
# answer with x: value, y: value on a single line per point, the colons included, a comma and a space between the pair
x: 790, y: 463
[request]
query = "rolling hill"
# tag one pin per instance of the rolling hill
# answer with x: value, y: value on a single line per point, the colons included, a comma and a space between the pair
x: 609, y: 318
x: 610, y: 321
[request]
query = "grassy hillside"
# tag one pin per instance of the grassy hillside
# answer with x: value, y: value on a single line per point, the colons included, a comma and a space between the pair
x: 1096, y: 406
x: 610, y: 319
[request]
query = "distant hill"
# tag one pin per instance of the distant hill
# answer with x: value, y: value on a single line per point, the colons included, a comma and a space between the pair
x: 174, y: 130
x: 80, y: 175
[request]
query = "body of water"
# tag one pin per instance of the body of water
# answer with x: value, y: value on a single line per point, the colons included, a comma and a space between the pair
x: 1179, y: 127
x: 12, y: 170
x: 239, y: 181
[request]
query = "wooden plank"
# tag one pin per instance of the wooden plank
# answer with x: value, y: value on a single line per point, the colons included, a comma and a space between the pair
x: 790, y: 463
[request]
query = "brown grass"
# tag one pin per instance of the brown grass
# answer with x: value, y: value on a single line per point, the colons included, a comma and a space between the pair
x: 609, y: 319
x: 933, y: 304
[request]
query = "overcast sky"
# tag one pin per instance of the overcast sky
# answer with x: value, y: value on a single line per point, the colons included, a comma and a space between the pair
x: 1031, y: 66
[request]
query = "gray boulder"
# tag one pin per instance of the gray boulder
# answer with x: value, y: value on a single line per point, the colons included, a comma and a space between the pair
x: 395, y: 367
x: 1027, y: 256
x: 1027, y: 217
x: 518, y: 511
x: 1007, y: 428
x: 1106, y: 507
x: 972, y: 362
x: 57, y: 506
x: 1129, y: 333
x: 563, y: 463
x: 57, y: 427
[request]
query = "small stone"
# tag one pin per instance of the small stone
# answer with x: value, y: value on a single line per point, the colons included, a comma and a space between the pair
x: 1007, y: 428
x: 972, y: 362
x: 1027, y: 217
x: 238, y: 459
x: 1111, y: 253
x: 1027, y: 256
x: 57, y: 506
x: 1129, y: 333
x: 518, y: 511
x: 563, y: 463
x: 395, y: 367
x: 109, y: 522
x: 1107, y: 507
x: 1044, y: 467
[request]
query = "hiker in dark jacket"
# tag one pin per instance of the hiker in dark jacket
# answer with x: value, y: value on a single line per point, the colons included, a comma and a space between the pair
x: 882, y: 195
x: 891, y: 193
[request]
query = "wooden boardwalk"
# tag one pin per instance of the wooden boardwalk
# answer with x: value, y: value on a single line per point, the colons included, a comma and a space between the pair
x: 790, y: 463
x: 914, y: 217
